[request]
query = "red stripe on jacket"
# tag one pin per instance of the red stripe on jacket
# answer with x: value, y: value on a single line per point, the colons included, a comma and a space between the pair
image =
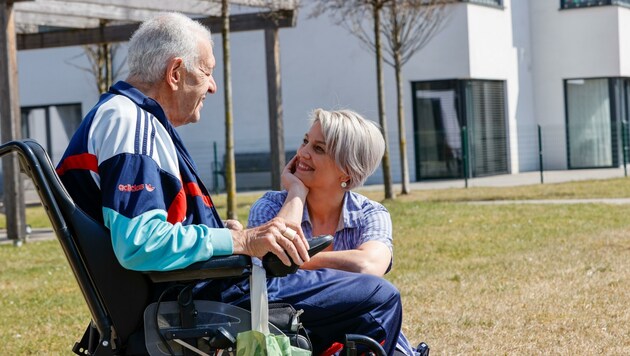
x: 193, y: 190
x: 86, y: 161
x: 177, y: 210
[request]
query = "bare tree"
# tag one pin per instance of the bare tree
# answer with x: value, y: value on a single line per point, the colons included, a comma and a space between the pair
x: 101, y: 58
x: 356, y: 16
x: 408, y: 25
x: 229, y: 163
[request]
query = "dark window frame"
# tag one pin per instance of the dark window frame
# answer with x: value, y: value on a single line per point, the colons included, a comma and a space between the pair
x: 582, y: 4
x: 490, y: 3
x: 25, y: 129
x: 617, y: 87
x: 463, y: 109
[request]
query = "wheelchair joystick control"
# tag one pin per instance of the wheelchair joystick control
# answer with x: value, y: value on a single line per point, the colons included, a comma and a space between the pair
x: 274, y: 266
x: 222, y: 339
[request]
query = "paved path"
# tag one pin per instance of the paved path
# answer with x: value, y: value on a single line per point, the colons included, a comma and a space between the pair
x: 507, y: 180
x: 615, y: 201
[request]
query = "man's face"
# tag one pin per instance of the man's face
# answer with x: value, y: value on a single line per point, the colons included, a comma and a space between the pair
x: 196, y: 83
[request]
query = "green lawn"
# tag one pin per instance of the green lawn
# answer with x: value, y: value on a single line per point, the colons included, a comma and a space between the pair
x: 475, y: 279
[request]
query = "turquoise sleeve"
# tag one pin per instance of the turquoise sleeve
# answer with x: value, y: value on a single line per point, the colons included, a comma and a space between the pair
x: 150, y: 243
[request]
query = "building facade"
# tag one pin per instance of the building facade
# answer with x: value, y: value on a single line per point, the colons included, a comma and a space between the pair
x: 498, y: 73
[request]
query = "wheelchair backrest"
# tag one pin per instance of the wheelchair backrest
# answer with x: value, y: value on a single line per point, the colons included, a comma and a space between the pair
x: 116, y: 297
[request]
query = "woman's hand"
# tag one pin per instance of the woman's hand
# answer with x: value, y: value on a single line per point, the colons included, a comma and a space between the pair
x: 290, y: 181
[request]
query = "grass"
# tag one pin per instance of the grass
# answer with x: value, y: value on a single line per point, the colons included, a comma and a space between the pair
x: 35, y: 216
x: 515, y: 279
x: 475, y: 279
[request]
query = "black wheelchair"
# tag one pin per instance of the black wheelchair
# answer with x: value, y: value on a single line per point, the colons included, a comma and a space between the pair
x: 124, y: 320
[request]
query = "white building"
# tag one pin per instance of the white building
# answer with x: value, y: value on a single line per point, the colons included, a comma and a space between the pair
x: 498, y: 68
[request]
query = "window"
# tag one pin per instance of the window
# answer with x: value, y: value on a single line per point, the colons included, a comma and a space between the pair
x: 52, y: 126
x: 572, y: 4
x: 441, y: 110
x: 595, y: 111
x: 485, y: 117
x: 485, y: 2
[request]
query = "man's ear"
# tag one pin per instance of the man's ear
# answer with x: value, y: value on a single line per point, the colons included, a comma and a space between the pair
x: 174, y: 72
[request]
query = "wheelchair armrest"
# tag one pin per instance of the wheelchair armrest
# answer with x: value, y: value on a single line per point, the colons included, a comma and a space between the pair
x: 236, y: 265
x: 216, y: 267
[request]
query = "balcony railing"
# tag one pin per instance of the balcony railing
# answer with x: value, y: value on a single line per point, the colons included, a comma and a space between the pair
x: 571, y: 4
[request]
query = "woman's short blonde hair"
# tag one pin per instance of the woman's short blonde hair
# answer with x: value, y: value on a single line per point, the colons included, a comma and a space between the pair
x: 354, y: 143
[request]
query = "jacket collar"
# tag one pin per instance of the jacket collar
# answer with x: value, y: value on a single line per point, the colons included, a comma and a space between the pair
x: 150, y: 105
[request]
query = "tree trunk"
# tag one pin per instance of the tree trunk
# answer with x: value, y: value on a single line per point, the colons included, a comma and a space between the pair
x: 274, y: 103
x: 387, y: 175
x: 109, y: 76
x: 402, y: 140
x: 10, y: 118
x: 230, y: 172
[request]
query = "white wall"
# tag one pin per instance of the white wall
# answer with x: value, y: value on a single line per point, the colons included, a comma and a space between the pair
x: 623, y: 15
x: 532, y: 45
x: 446, y: 56
x: 575, y: 43
x: 520, y: 94
x: 481, y: 42
x: 322, y: 64
x: 52, y: 76
x: 493, y: 56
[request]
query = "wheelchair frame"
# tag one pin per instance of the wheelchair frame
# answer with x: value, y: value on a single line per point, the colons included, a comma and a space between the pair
x: 116, y: 297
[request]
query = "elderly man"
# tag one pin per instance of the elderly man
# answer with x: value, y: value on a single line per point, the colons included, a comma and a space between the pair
x: 127, y: 167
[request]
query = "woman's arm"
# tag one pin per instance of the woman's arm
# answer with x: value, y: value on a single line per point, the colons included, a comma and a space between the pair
x: 293, y: 206
x: 372, y: 257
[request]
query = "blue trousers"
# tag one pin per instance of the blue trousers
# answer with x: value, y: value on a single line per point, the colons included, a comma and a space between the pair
x: 335, y: 303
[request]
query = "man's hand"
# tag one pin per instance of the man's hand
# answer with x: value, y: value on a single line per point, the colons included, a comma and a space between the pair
x: 273, y: 237
x: 233, y: 224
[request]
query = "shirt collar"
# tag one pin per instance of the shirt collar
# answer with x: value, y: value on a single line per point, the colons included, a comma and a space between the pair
x: 349, y: 217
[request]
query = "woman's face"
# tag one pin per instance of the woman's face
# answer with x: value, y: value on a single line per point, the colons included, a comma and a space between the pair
x: 315, y: 166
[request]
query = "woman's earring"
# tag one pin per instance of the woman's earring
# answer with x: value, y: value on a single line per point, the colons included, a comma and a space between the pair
x: 344, y: 184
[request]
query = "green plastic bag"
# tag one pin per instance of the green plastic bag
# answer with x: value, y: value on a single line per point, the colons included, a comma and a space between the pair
x: 255, y: 343
x: 259, y: 341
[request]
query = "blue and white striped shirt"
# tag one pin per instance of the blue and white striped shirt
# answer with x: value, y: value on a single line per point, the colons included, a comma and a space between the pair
x: 362, y: 220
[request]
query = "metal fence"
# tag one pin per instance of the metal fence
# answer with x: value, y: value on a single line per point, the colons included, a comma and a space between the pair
x: 441, y: 156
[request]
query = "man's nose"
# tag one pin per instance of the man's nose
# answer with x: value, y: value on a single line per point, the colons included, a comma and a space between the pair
x: 212, y: 88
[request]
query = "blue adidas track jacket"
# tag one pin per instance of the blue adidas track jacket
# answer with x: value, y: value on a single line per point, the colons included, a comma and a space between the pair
x: 127, y: 167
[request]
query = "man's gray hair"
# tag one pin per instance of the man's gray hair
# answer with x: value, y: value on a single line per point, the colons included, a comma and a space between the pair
x: 354, y: 143
x: 160, y: 39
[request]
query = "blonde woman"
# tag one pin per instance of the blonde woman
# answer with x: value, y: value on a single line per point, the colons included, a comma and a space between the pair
x: 338, y: 153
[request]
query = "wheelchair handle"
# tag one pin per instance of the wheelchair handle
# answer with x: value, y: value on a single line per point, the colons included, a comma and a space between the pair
x: 275, y: 267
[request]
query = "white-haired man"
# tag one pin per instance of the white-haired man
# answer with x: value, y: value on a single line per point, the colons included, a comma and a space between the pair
x: 127, y: 167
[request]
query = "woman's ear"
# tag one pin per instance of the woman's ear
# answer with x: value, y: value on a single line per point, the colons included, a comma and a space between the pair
x: 174, y: 72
